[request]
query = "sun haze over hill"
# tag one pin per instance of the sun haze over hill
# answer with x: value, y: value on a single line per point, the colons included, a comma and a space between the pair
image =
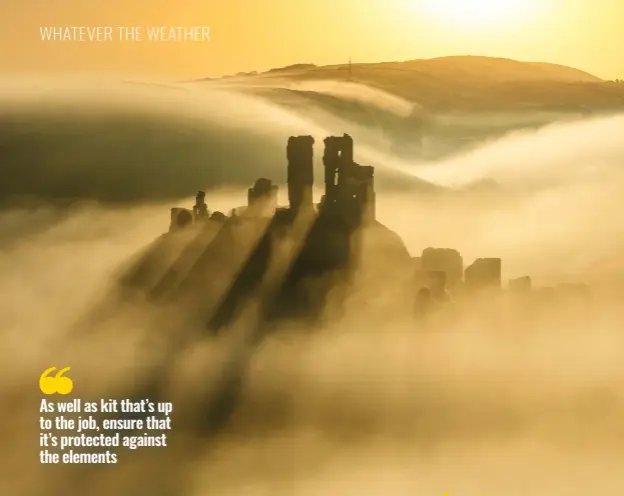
x: 484, y: 69
x: 458, y: 83
x: 494, y: 69
x: 252, y: 34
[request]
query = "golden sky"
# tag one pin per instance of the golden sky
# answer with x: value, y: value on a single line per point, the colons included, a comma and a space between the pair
x: 258, y: 35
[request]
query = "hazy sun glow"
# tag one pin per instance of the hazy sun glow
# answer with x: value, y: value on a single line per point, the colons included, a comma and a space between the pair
x: 478, y: 12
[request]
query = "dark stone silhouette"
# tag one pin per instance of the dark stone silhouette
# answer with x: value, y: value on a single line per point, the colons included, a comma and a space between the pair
x: 200, y: 209
x: 264, y: 262
x: 295, y: 261
x: 435, y: 283
x: 446, y: 260
x: 180, y: 218
x: 302, y: 260
x: 218, y: 217
x: 424, y: 304
x: 484, y: 273
x: 263, y: 192
x: 300, y: 178
x: 349, y: 187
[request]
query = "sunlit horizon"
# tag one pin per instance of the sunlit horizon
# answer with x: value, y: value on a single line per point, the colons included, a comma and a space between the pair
x: 247, y: 36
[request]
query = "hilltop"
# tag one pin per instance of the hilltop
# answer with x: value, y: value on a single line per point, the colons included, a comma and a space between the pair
x: 484, y: 69
x: 460, y: 83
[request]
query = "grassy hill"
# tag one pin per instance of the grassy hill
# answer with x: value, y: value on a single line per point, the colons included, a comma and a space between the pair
x: 463, y: 83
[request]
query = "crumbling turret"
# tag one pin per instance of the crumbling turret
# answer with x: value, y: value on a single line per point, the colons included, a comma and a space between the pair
x: 349, y: 187
x: 320, y: 261
x: 218, y: 217
x: 446, y: 260
x: 180, y: 218
x: 200, y: 209
x: 264, y: 192
x: 484, y: 273
x: 300, y: 174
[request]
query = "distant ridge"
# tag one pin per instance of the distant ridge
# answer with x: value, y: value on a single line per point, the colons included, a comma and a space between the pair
x: 461, y: 83
x: 292, y: 67
x: 500, y: 69
x: 471, y: 66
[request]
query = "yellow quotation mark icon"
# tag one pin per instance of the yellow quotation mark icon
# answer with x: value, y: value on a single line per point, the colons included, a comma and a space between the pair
x: 57, y: 384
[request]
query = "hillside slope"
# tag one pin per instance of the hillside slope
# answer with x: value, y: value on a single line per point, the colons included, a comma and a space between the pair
x: 490, y: 69
x: 462, y: 83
